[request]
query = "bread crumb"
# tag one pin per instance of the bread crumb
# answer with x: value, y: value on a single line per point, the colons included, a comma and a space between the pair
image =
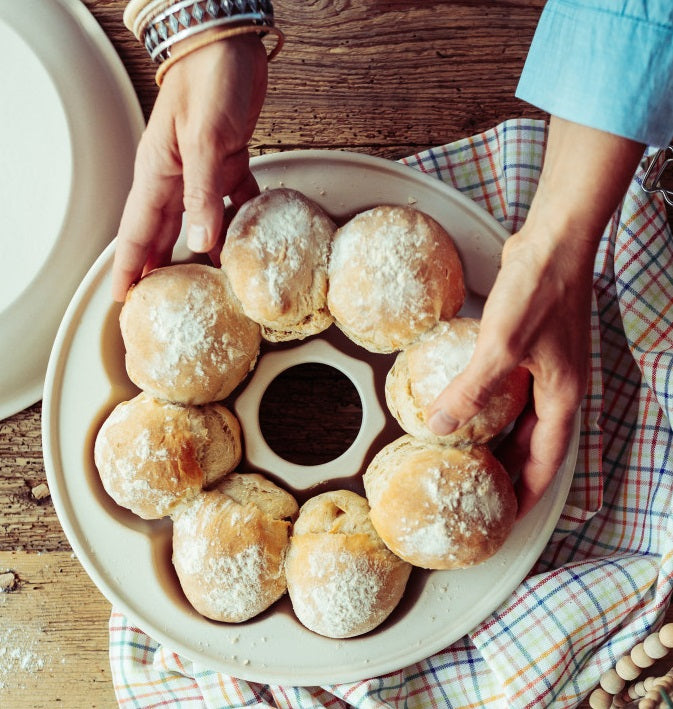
x: 41, y: 491
x: 8, y: 581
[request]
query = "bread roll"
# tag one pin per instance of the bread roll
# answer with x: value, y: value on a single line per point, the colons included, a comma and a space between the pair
x: 421, y: 373
x: 341, y: 578
x: 440, y: 507
x: 153, y: 456
x: 230, y: 556
x: 187, y: 339
x: 276, y: 255
x: 253, y: 488
x: 394, y: 273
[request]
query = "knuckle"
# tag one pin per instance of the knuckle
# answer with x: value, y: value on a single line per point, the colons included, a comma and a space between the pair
x: 197, y: 198
x: 474, y: 396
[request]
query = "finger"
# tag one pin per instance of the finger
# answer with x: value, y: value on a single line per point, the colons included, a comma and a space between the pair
x: 161, y: 249
x: 215, y: 253
x: 142, y: 224
x: 246, y: 189
x: 207, y: 179
x: 548, y: 447
x: 513, y: 450
x: 152, y: 207
x: 468, y: 393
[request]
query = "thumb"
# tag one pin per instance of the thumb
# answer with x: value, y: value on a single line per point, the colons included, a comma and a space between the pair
x: 467, y: 394
x: 206, y: 182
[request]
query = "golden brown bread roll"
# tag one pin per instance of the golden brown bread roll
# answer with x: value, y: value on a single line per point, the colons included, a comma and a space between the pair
x: 276, y: 255
x: 187, y: 339
x: 421, y: 372
x: 153, y: 455
x: 394, y: 273
x: 253, y: 488
x: 230, y: 556
x: 341, y: 578
x: 440, y: 507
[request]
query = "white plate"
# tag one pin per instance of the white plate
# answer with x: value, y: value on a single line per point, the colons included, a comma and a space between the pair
x: 69, y: 124
x: 129, y: 559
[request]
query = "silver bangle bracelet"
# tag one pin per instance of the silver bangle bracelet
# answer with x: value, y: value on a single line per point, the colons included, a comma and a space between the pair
x: 189, y: 17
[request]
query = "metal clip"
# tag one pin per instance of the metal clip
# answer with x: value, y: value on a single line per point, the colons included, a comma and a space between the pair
x: 652, y: 185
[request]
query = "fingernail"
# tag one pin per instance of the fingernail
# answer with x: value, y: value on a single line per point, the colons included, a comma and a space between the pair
x: 441, y: 424
x: 196, y: 238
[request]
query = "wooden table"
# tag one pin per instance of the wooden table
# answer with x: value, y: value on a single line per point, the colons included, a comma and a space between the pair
x: 387, y: 78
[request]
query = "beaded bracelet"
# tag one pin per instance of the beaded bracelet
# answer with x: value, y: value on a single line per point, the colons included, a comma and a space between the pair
x: 653, y: 692
x: 211, y: 39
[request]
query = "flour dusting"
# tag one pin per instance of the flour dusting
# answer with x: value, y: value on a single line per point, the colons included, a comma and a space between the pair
x: 458, y: 509
x: 342, y: 594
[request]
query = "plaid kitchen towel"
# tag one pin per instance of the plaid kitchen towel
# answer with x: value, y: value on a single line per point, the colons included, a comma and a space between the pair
x: 605, y: 578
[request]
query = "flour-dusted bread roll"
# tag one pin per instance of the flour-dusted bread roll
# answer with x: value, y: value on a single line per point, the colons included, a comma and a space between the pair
x: 440, y: 507
x: 276, y: 255
x: 187, y: 339
x: 394, y: 273
x: 421, y: 372
x: 341, y: 578
x: 255, y: 489
x: 229, y: 555
x: 153, y: 456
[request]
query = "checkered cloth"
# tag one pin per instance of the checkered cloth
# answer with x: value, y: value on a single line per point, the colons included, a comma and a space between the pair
x: 605, y: 578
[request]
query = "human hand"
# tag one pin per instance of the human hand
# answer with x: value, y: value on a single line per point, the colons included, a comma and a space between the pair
x: 536, y: 316
x: 538, y: 312
x: 192, y: 154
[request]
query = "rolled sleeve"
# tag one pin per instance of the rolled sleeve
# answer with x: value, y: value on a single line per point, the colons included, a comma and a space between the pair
x: 605, y: 64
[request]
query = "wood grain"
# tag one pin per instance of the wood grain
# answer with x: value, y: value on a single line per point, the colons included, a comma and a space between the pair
x: 387, y: 78
x: 53, y: 635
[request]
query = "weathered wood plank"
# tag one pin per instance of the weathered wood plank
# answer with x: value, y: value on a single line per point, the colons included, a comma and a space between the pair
x: 53, y: 635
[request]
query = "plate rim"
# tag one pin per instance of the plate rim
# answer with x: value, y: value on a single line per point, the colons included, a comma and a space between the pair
x: 95, y: 40
x: 300, y: 677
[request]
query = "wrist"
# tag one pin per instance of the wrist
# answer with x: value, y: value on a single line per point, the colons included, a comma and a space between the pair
x: 585, y: 175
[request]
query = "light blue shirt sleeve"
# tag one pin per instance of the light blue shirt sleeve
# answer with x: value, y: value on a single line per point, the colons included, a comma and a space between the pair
x: 607, y: 64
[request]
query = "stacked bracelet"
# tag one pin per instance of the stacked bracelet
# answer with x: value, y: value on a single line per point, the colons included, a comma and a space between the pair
x: 159, y: 24
x: 211, y: 39
x: 189, y: 17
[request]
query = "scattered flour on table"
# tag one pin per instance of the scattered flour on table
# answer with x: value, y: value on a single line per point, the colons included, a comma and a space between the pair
x: 20, y: 654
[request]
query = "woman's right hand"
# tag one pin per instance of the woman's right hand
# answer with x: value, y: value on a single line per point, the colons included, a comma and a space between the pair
x: 537, y: 314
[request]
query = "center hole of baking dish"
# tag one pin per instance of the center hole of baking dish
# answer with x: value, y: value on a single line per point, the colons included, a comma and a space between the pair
x: 310, y: 414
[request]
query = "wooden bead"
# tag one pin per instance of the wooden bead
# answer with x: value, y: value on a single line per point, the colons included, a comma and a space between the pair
x: 640, y: 657
x: 653, y: 647
x: 627, y: 668
x: 666, y: 635
x: 612, y: 682
x: 633, y: 692
x: 664, y: 682
x: 600, y: 699
x: 648, y: 704
x: 648, y: 682
x: 619, y: 702
x: 640, y: 689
